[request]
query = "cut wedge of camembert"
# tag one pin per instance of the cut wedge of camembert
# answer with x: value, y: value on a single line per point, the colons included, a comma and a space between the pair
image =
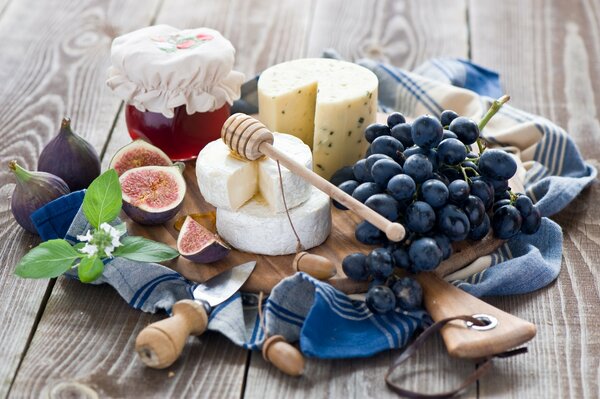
x: 228, y: 182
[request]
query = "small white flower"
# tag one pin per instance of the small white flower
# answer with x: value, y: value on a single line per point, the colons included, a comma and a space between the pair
x: 85, y: 238
x: 89, y: 249
x: 114, y: 235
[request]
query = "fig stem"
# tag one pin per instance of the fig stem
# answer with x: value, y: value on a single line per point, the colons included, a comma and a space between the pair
x: 66, y: 122
x: 21, y: 174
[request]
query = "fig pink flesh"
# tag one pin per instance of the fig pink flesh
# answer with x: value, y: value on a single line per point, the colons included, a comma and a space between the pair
x: 155, y: 188
x: 135, y: 158
x: 195, y: 236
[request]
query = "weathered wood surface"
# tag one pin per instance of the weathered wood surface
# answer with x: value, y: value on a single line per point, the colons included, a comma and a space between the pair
x: 54, y: 58
x: 547, y: 53
x: 53, y: 64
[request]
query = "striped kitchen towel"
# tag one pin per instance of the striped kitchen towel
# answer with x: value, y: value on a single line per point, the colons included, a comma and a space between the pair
x: 329, y: 324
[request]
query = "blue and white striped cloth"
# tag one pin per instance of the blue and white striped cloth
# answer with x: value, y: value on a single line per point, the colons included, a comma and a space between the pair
x: 329, y: 324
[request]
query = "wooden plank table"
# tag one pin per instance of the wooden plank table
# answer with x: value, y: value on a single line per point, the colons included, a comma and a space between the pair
x: 66, y: 339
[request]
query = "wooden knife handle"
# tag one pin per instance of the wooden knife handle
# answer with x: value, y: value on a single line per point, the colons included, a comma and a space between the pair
x: 161, y: 343
x: 444, y: 300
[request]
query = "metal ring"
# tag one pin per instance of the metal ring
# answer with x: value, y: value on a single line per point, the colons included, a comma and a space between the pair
x: 491, y: 321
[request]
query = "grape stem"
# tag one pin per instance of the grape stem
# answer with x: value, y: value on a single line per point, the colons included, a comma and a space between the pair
x: 494, y: 108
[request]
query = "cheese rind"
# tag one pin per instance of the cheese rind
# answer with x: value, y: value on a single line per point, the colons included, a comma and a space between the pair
x: 225, y: 181
x: 344, y: 104
x: 228, y: 182
x: 253, y: 228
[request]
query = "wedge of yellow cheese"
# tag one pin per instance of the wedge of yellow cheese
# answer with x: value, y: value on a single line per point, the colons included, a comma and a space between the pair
x: 326, y: 103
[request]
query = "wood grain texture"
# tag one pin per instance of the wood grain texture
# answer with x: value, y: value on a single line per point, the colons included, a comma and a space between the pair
x: 85, y: 342
x: 404, y: 33
x: 547, y: 53
x: 53, y: 64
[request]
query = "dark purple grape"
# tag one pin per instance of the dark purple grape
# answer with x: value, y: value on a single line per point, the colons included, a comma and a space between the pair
x: 380, y: 263
x: 474, y: 209
x: 401, y: 259
x: 402, y: 187
x: 383, y: 170
x: 499, y: 185
x: 380, y: 299
x: 485, y: 191
x: 348, y: 187
x: 425, y: 254
x: 481, y: 230
x: 418, y: 167
x: 499, y: 204
x: 532, y: 222
x: 434, y: 192
x: 441, y: 177
x: 387, y: 145
x: 365, y: 190
x: 459, y: 191
x: 409, y: 294
x: 445, y: 245
x: 355, y: 267
x: 497, y: 164
x: 524, y: 204
x: 371, y: 159
x: 412, y: 151
x: 506, y: 222
x: 500, y: 195
x: 375, y: 130
x: 403, y: 133
x: 361, y: 172
x: 427, y: 131
x: 342, y: 175
x: 451, y: 174
x: 447, y: 117
x: 385, y: 205
x: 451, y: 151
x: 420, y: 217
x: 465, y: 128
x: 453, y: 222
x: 449, y: 135
x: 368, y: 234
x: 395, y: 118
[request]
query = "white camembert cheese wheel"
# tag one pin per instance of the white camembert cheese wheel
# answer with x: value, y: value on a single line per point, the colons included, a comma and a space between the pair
x: 254, y: 228
x: 228, y: 182
x: 326, y: 103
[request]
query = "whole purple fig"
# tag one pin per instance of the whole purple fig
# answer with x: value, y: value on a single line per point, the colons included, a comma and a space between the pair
x: 33, y: 190
x: 71, y: 158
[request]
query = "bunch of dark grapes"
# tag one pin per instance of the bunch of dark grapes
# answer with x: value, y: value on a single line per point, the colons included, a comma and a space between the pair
x: 426, y: 176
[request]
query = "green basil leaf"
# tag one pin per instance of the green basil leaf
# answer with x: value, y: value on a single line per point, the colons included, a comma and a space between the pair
x: 144, y: 250
x: 102, y: 201
x: 49, y: 259
x: 90, y: 269
x: 121, y: 228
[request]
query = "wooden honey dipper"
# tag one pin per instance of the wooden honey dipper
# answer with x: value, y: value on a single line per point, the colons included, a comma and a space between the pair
x: 250, y: 139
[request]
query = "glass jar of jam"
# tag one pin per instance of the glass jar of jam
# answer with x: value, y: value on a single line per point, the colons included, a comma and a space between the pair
x: 180, y: 137
x: 178, y: 86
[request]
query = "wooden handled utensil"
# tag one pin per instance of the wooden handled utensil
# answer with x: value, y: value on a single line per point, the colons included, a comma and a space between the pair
x: 160, y: 344
x: 250, y: 139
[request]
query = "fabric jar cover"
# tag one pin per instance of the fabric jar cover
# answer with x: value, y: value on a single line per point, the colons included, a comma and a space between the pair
x: 159, y: 67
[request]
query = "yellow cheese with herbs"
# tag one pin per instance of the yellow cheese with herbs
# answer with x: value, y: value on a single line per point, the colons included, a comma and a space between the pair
x: 326, y: 103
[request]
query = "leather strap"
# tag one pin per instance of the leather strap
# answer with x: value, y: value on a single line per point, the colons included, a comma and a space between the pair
x: 411, y: 349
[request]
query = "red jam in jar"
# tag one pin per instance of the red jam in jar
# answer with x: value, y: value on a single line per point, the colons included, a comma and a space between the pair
x: 181, y: 137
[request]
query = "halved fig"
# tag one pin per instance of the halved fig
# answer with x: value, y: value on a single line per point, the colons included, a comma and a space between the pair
x: 136, y: 154
x: 152, y: 194
x: 200, y: 245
